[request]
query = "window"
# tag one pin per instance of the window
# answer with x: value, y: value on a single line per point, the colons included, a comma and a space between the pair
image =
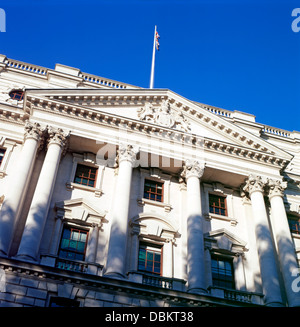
x: 294, y: 223
x: 17, y: 95
x: 153, y: 190
x: 222, y: 272
x: 2, y: 153
x: 150, y: 258
x: 85, y: 175
x: 73, y: 244
x: 217, y: 204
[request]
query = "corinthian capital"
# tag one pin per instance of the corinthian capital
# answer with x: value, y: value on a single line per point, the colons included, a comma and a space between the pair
x: 127, y: 152
x: 192, y: 168
x: 276, y: 188
x: 254, y: 184
x: 59, y: 137
x: 33, y: 130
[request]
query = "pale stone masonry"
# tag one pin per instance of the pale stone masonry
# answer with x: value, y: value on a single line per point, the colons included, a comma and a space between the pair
x: 114, y: 195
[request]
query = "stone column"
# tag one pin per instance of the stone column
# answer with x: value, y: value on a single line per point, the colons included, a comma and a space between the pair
x: 285, y: 245
x: 266, y: 252
x: 195, y: 243
x: 115, y: 265
x: 36, y: 219
x: 18, y: 183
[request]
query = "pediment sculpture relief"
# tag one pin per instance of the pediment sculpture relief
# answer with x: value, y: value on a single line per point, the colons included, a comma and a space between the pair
x: 164, y: 116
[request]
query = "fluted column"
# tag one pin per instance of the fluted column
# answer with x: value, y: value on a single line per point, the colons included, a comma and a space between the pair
x: 255, y: 186
x: 18, y: 183
x: 115, y: 265
x: 192, y: 173
x: 36, y: 219
x: 285, y: 245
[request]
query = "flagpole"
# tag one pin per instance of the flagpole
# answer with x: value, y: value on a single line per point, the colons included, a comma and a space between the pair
x: 153, y: 61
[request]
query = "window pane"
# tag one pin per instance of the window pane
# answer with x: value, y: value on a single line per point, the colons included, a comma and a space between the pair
x: 74, y: 235
x: 157, y: 257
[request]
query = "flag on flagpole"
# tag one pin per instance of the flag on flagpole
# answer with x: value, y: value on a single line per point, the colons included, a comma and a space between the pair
x: 156, y: 40
x: 155, y: 46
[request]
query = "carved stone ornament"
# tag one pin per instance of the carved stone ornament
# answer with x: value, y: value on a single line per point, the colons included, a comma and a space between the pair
x: 192, y: 168
x: 59, y: 137
x: 276, y: 188
x: 126, y: 152
x: 34, y: 131
x: 253, y: 184
x: 164, y: 116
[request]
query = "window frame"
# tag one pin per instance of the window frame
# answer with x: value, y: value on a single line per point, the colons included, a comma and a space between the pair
x: 3, y: 152
x: 218, y: 282
x: 150, y: 247
x: 153, y: 181
x: 89, y: 179
x: 12, y: 94
x: 75, y: 228
x: 295, y: 220
x: 218, y: 207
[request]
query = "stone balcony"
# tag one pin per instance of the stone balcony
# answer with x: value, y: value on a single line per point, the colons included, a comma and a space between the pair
x: 236, y: 295
x: 71, y: 265
x: 156, y: 281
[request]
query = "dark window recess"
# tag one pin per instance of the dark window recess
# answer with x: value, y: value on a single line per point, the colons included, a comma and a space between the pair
x: 61, y: 302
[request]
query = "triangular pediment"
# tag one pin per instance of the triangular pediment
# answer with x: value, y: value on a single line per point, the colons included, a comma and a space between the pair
x: 80, y: 210
x: 153, y: 110
x: 224, y: 241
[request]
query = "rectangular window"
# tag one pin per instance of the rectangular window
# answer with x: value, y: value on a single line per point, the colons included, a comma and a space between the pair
x: 294, y: 223
x: 85, y: 175
x: 222, y: 272
x: 2, y: 153
x: 73, y: 244
x: 150, y: 259
x: 217, y: 204
x: 153, y: 190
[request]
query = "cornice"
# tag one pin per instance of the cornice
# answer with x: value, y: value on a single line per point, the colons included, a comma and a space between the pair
x: 250, y: 150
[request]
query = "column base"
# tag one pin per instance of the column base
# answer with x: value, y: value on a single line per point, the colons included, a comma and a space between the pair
x: 274, y: 304
x: 3, y: 254
x: 201, y: 291
x: 25, y: 257
x: 114, y: 275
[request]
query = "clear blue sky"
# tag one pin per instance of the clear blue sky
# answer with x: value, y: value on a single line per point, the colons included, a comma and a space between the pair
x: 238, y: 55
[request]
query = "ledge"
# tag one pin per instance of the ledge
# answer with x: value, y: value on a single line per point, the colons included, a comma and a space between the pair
x: 209, y: 216
x: 143, y: 201
x: 70, y: 186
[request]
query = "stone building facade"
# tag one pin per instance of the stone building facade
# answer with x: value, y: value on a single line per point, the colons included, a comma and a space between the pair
x: 116, y: 195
